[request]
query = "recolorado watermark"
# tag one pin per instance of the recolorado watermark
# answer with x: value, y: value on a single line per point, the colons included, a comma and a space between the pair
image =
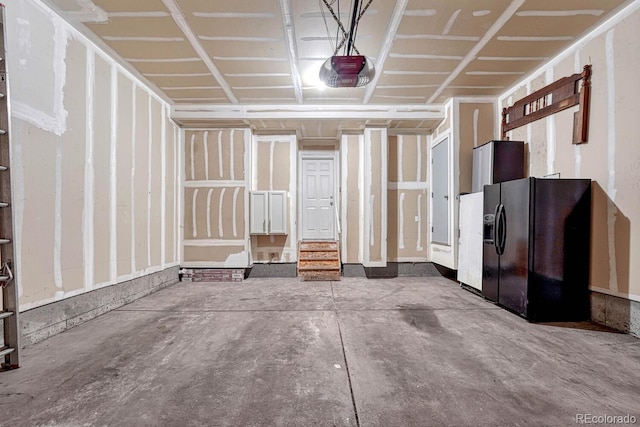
x: 605, y: 419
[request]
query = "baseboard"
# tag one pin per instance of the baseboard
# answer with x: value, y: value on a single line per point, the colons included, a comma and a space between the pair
x: 616, y: 313
x: 393, y: 269
x: 272, y: 270
x: 42, y: 322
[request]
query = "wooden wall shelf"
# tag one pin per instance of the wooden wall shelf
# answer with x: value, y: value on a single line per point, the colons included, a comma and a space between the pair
x: 559, y: 95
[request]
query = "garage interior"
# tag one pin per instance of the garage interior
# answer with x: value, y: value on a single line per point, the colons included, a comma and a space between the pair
x: 195, y: 230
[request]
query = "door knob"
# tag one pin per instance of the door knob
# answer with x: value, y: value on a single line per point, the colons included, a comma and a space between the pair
x: 446, y: 197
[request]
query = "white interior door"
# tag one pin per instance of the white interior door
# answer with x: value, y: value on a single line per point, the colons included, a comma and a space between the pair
x: 441, y: 200
x: 318, y: 198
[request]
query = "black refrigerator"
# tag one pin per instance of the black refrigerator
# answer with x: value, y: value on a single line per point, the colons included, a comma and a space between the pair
x: 535, y: 258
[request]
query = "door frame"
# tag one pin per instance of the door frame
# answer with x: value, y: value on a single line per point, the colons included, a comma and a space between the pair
x: 310, y: 154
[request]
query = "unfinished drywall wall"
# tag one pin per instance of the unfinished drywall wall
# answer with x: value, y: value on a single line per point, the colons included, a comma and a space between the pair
x: 408, y: 198
x: 364, y: 171
x: 91, y: 151
x: 611, y: 158
x: 447, y: 124
x: 216, y: 198
x: 351, y: 202
x: 477, y: 126
x: 274, y: 168
x: 375, y: 164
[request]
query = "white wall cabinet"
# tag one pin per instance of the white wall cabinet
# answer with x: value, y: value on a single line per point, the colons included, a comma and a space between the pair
x: 268, y: 212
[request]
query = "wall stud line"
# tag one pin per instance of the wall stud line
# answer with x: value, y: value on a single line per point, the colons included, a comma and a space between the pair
x: 220, y: 205
x: 57, y: 232
x: 149, y: 176
x: 176, y: 193
x: 429, y: 210
x: 89, y: 186
x: 254, y: 164
x: 209, y: 193
x: 181, y: 173
x: 192, y: 155
x: 372, y: 232
x: 220, y: 165
x: 419, y: 247
x: 361, y: 188
x: 419, y: 156
x: 367, y: 197
x: 400, y: 140
x: 232, y: 160
x: 454, y: 189
x: 476, y: 117
x: 163, y: 188
x: 293, y: 197
x: 612, y: 210
x: 61, y: 35
x: 384, y: 179
x: 205, y: 143
x: 194, y: 223
x: 248, y: 174
x: 235, y: 210
x: 344, y: 174
x: 133, y: 176
x: 401, y: 222
x: 113, y: 178
x: 272, y: 145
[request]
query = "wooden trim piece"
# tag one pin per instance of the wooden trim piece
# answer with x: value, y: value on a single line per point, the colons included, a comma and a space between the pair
x: 553, y: 98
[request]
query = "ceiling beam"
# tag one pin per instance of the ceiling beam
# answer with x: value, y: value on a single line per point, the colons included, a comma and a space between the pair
x: 392, y: 30
x: 297, y: 112
x: 290, y: 36
x: 471, y: 55
x: 181, y: 21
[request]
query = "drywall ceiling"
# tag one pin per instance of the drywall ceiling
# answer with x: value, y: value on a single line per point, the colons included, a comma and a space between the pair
x: 223, y: 62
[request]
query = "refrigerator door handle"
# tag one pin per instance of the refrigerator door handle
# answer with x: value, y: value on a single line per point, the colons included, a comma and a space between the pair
x: 496, y: 228
x: 503, y: 229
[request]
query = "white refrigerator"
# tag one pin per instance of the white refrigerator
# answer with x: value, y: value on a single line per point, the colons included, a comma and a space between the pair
x: 470, y: 243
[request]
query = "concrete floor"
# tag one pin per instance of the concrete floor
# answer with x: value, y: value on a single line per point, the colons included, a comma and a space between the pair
x: 280, y: 352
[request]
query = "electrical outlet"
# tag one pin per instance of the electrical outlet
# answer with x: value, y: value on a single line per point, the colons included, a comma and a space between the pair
x: 417, y: 218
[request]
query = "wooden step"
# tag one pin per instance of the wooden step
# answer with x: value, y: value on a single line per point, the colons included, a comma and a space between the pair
x: 321, y: 276
x: 335, y: 262
x: 319, y: 260
x: 318, y: 267
x: 308, y: 275
x: 312, y: 255
x: 318, y: 245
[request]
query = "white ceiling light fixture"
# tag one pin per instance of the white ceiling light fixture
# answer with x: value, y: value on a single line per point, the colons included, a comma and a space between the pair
x: 346, y: 70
